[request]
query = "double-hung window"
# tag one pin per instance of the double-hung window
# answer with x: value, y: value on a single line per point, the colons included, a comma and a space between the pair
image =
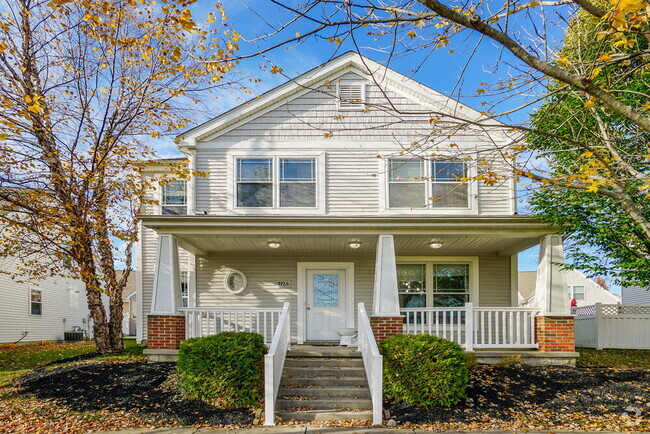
x: 185, y: 288
x: 416, y: 183
x: 276, y: 182
x: 174, y: 198
x: 577, y: 292
x: 35, y: 302
x: 430, y: 284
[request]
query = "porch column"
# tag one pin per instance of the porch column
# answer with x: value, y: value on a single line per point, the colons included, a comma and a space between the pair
x: 165, y: 325
x: 554, y: 328
x: 386, y: 320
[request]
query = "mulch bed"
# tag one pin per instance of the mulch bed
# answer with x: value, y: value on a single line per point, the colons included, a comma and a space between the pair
x: 135, y: 388
x: 529, y: 397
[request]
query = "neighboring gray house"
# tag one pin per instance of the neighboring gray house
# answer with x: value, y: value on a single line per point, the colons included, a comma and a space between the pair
x: 586, y: 291
x: 42, y: 310
x: 636, y: 295
x: 130, y: 304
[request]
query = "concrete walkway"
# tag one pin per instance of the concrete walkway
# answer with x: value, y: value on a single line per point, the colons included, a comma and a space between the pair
x: 315, y: 430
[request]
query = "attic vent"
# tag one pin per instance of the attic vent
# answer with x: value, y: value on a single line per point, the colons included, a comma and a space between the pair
x: 352, y: 96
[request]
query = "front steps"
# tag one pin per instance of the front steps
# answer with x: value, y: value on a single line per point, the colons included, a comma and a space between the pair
x: 322, y: 383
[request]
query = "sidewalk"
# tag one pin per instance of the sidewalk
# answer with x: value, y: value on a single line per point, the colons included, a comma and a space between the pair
x: 317, y: 430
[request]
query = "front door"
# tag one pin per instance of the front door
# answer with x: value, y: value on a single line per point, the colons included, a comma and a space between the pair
x: 326, y: 303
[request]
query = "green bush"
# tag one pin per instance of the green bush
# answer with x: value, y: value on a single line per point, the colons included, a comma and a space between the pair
x: 424, y: 370
x: 226, y: 369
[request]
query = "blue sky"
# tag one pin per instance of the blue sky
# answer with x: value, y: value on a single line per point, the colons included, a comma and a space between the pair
x: 459, y: 75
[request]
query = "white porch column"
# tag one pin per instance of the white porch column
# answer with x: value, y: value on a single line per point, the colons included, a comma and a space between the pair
x: 386, y: 299
x: 551, y: 293
x: 166, y: 284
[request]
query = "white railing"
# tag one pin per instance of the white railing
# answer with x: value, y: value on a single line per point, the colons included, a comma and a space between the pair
x: 274, y: 363
x: 475, y: 327
x: 620, y: 326
x: 207, y: 321
x: 372, y: 362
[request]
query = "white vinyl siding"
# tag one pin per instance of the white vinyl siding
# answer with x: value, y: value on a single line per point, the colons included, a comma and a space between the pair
x: 635, y: 295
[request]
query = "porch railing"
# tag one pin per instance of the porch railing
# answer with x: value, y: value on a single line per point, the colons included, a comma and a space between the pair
x: 274, y: 363
x: 207, y: 321
x: 372, y: 362
x: 475, y: 327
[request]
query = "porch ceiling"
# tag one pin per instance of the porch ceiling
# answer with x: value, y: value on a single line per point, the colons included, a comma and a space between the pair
x: 204, y: 235
x: 338, y: 245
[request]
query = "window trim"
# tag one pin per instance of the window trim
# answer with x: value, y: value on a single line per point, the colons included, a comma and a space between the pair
x: 472, y: 191
x: 161, y: 201
x: 276, y: 156
x: 31, y: 302
x: 187, y: 283
x: 429, y: 261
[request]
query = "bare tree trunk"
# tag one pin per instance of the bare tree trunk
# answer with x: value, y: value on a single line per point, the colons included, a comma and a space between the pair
x: 115, y: 320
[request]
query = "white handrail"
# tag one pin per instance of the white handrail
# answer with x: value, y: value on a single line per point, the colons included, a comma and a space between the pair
x: 372, y: 362
x: 274, y: 363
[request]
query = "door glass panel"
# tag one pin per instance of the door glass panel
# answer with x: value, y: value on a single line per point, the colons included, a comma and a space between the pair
x: 326, y: 290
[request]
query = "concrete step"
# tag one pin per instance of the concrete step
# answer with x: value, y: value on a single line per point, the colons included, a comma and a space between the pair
x: 326, y: 392
x: 316, y: 362
x: 324, y: 381
x: 293, y: 372
x: 324, y: 415
x: 323, y: 351
x: 325, y: 404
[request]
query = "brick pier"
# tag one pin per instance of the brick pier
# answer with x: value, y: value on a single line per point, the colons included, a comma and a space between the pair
x: 555, y: 333
x: 386, y: 326
x: 165, y: 332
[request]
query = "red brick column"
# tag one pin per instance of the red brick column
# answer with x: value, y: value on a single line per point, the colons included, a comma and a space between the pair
x: 386, y: 326
x: 165, y: 332
x: 555, y: 333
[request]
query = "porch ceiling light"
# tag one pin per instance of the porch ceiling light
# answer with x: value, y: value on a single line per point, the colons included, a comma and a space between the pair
x: 274, y: 244
x: 435, y: 244
x: 354, y: 244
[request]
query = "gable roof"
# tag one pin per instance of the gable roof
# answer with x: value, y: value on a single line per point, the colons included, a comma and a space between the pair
x: 304, y: 83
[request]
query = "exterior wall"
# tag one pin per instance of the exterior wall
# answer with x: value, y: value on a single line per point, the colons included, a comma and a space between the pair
x: 264, y: 271
x: 635, y: 295
x: 594, y: 293
x: 64, y: 306
x: 354, y: 174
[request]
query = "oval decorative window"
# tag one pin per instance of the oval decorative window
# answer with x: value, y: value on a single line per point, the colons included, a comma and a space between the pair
x: 235, y: 282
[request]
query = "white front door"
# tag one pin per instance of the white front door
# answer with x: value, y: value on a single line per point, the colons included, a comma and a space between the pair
x: 326, y: 303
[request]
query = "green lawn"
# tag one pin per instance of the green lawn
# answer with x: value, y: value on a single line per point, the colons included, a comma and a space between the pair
x: 639, y: 359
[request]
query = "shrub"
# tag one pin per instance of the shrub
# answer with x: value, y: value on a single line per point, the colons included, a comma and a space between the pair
x: 226, y: 369
x: 424, y: 370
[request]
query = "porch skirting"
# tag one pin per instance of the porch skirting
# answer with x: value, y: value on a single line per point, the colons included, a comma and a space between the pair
x: 555, y: 333
x: 165, y: 332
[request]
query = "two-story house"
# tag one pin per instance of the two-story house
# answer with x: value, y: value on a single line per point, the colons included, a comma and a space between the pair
x: 315, y: 196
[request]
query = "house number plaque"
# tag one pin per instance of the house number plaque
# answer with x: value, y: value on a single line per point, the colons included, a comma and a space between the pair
x: 283, y: 283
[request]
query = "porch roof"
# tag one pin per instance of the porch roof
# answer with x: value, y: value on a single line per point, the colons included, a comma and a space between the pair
x: 308, y: 234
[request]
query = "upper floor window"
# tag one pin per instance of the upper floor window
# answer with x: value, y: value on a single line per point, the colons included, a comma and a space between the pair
x: 174, y: 198
x: 35, y: 302
x: 414, y: 183
x: 577, y: 292
x: 351, y: 96
x: 276, y: 182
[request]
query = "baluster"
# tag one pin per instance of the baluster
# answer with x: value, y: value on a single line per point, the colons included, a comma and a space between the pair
x: 489, y: 327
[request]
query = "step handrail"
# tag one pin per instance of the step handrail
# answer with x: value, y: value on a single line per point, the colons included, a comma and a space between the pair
x: 274, y: 363
x: 372, y: 362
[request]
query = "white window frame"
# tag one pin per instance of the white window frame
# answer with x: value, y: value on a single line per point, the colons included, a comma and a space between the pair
x: 430, y: 261
x: 161, y: 199
x: 572, y: 293
x: 187, y: 284
x: 319, y: 209
x: 31, y: 290
x: 345, y: 107
x: 472, y: 191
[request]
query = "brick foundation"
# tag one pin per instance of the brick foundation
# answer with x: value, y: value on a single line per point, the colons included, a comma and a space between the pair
x: 165, y: 332
x: 555, y: 333
x: 386, y: 326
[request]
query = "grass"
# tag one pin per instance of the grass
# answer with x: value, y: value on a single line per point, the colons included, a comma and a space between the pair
x: 624, y: 359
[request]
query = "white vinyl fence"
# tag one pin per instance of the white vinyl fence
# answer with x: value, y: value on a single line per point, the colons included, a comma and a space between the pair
x: 622, y: 326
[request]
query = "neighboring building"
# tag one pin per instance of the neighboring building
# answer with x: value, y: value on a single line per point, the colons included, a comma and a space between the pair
x: 40, y: 310
x: 130, y: 304
x: 297, y: 207
x: 636, y: 295
x: 585, y: 290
